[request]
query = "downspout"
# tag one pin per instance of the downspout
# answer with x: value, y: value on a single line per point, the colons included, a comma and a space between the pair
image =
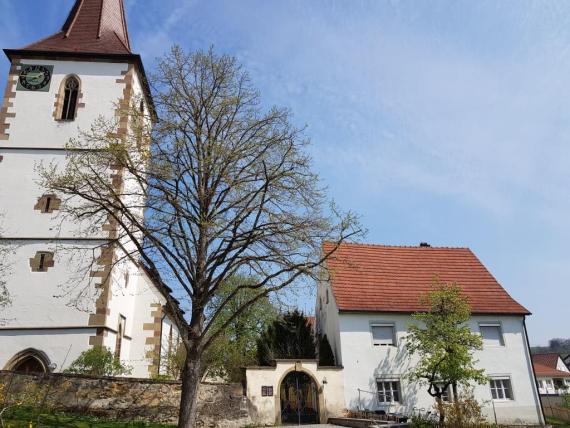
x: 535, y: 389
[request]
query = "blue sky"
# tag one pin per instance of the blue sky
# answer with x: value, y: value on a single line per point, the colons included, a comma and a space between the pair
x: 439, y: 121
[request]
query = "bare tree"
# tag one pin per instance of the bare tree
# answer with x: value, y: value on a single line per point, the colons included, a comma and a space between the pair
x: 6, y: 250
x: 218, y: 187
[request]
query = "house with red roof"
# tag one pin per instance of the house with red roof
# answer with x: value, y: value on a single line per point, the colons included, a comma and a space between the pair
x: 552, y: 374
x: 365, y: 308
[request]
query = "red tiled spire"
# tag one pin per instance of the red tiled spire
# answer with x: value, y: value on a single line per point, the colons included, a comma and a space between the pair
x: 93, y: 26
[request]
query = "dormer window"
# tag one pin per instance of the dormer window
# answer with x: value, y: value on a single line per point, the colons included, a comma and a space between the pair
x: 70, y: 96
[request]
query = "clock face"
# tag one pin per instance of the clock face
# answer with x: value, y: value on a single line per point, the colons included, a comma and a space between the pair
x: 35, y: 78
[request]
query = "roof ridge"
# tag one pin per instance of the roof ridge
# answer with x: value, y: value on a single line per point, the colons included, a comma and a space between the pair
x: 367, y: 244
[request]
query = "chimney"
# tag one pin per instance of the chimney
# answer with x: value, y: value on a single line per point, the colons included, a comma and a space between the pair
x: 424, y: 245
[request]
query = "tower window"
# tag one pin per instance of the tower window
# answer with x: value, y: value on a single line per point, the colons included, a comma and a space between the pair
x: 119, y: 337
x: 42, y: 261
x: 47, y: 204
x: 70, y: 95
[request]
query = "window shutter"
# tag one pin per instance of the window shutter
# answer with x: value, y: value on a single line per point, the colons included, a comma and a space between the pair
x: 383, y: 335
x: 492, y: 334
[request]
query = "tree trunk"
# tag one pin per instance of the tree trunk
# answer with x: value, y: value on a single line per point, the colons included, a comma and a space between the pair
x: 441, y: 409
x: 191, y: 376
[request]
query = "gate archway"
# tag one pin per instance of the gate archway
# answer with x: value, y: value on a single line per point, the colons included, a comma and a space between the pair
x: 299, y: 399
x: 29, y: 361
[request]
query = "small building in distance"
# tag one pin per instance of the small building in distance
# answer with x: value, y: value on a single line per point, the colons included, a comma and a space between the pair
x: 552, y: 374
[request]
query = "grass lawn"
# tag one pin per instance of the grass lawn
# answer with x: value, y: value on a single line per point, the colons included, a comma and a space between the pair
x: 557, y: 423
x: 21, y: 418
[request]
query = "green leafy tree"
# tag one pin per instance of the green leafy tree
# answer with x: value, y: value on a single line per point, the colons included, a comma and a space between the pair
x: 326, y: 356
x: 289, y: 336
x: 236, y: 347
x: 98, y: 361
x: 444, y: 343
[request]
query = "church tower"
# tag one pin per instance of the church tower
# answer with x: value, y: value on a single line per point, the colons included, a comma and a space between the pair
x: 56, y: 87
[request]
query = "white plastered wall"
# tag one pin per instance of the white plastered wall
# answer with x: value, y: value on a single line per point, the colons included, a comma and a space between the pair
x: 364, y: 363
x: 327, y: 319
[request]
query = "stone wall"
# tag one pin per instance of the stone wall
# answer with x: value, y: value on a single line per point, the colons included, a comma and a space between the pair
x: 219, y: 405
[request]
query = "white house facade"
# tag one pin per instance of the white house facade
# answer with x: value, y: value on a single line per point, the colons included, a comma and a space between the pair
x: 67, y: 293
x: 365, y: 310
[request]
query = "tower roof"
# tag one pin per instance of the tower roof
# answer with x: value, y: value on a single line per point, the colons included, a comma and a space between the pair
x: 93, y: 26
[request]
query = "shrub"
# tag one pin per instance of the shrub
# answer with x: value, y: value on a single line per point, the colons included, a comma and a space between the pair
x: 98, y: 361
x: 326, y: 356
x: 465, y: 411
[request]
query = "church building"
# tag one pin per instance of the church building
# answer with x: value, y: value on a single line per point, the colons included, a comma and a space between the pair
x: 56, y: 87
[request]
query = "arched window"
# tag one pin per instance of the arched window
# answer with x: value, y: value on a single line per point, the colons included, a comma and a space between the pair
x: 70, y: 95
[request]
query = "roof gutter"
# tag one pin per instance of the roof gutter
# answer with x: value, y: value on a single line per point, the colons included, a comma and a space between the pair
x: 129, y: 58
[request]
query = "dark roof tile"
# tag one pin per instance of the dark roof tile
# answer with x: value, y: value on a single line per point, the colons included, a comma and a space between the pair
x: 93, y: 26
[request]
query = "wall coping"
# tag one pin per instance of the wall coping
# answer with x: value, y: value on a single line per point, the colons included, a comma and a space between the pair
x: 273, y: 367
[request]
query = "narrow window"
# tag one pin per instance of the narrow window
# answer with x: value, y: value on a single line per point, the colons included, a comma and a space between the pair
x: 119, y: 339
x: 141, y: 107
x: 492, y: 334
x: 42, y: 264
x: 70, y: 94
x: 383, y: 334
x: 48, y: 204
x: 327, y: 296
x: 170, y: 341
x: 501, y: 389
x: 42, y: 261
x: 388, y: 391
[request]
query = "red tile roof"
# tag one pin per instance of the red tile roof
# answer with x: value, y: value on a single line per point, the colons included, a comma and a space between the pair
x: 548, y: 359
x: 378, y: 278
x: 93, y: 26
x: 545, y: 365
x: 541, y: 370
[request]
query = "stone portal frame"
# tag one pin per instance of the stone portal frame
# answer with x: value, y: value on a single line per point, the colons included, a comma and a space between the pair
x: 298, y: 367
x: 266, y: 410
x: 40, y: 356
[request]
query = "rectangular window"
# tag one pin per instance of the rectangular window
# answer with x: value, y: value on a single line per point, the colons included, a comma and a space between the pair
x: 447, y: 394
x: 388, y: 391
x: 327, y: 297
x: 492, y: 334
x: 501, y: 389
x: 383, y: 334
